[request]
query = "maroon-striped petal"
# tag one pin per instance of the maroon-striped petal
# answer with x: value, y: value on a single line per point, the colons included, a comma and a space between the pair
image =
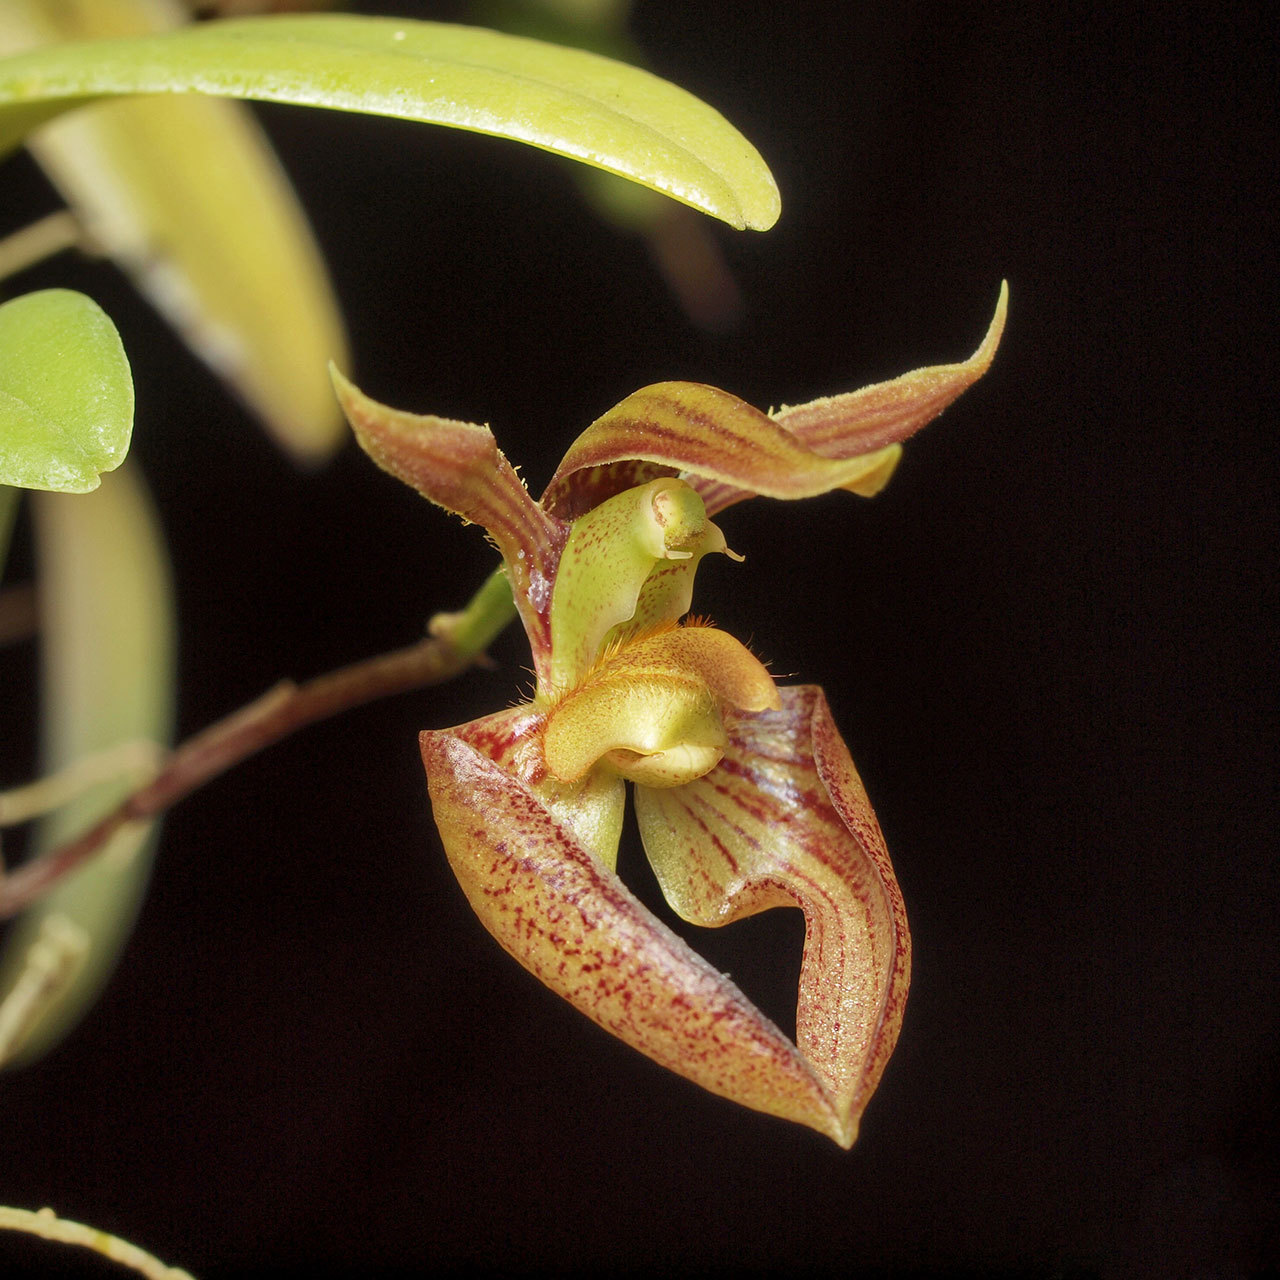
x: 784, y: 820
x: 728, y: 450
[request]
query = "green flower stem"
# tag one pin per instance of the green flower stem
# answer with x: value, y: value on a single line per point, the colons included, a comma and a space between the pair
x: 457, y: 642
x: 472, y: 631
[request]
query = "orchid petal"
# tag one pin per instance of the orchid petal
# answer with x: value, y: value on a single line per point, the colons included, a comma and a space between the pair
x: 666, y: 595
x: 570, y: 921
x: 458, y: 466
x: 729, y: 451
x: 652, y: 711
x: 889, y: 412
x: 784, y: 820
x: 704, y: 434
x: 590, y: 809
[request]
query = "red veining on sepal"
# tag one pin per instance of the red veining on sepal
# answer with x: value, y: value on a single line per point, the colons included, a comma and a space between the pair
x: 890, y: 412
x: 586, y: 489
x: 784, y: 820
x: 458, y: 466
x: 572, y: 923
x: 729, y: 451
x: 706, y: 434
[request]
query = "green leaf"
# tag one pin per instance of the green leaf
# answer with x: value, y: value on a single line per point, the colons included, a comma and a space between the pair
x: 577, y: 104
x: 66, y: 395
x: 186, y: 195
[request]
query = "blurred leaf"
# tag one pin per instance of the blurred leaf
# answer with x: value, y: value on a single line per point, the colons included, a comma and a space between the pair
x: 8, y: 509
x: 107, y: 674
x: 66, y: 395
x: 683, y: 246
x: 598, y: 25
x: 187, y: 196
x: 606, y: 114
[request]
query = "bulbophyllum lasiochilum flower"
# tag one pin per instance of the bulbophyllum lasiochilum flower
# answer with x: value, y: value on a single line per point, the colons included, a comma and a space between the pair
x: 745, y: 793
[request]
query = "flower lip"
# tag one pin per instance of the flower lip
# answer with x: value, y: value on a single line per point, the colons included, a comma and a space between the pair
x: 674, y: 767
x: 653, y: 708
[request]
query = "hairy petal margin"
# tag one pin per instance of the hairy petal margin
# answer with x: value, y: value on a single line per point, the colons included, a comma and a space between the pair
x: 729, y: 451
x: 458, y: 466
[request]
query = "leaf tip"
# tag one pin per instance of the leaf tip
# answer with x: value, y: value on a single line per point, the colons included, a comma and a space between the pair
x: 764, y: 211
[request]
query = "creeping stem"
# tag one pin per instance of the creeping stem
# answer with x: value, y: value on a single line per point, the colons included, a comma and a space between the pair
x: 457, y: 641
x: 46, y: 1224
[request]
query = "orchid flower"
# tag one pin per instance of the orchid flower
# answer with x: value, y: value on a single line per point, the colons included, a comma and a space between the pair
x: 745, y: 794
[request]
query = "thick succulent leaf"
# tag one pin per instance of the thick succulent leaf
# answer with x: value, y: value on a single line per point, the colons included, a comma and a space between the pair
x: 577, y: 104
x: 187, y: 197
x: 458, y: 466
x: 784, y: 820
x: 729, y: 451
x: 652, y: 710
x: 567, y: 918
x: 66, y: 393
x: 711, y: 438
x: 107, y: 676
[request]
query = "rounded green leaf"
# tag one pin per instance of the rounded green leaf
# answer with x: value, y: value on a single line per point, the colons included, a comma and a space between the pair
x: 578, y: 104
x: 66, y: 395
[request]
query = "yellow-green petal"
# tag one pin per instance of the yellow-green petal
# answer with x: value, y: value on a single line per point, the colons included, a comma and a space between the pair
x: 610, y: 556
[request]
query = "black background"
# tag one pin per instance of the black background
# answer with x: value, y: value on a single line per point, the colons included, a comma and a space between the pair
x: 1046, y: 644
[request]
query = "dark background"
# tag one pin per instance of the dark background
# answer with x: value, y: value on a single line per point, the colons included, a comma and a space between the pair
x: 1046, y: 644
